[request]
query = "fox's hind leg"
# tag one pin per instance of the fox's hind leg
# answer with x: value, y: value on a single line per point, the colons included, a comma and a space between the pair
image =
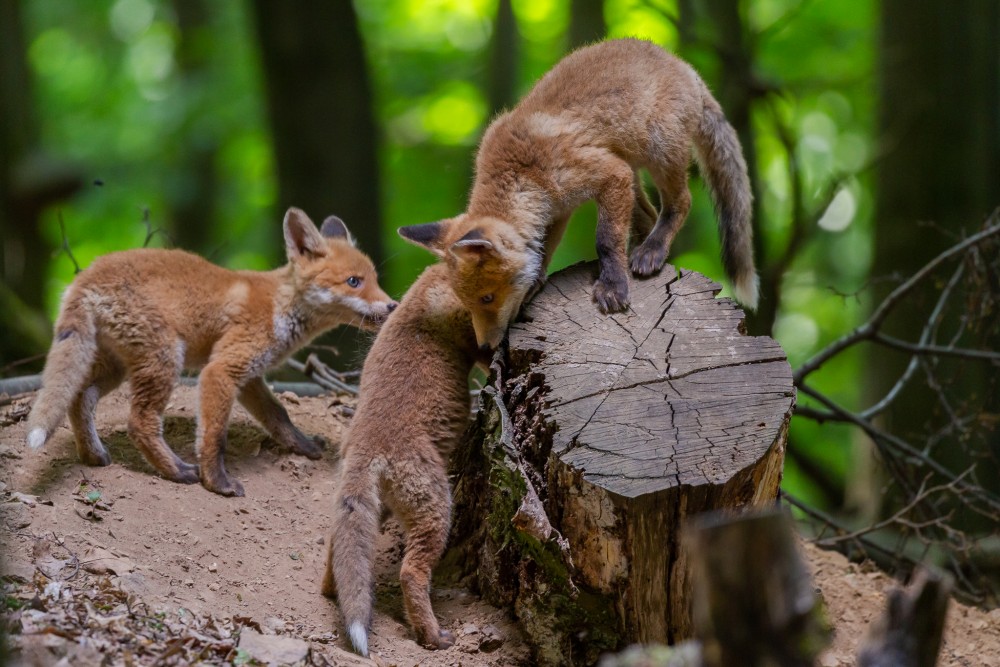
x: 649, y: 257
x: 106, y: 374
x: 422, y: 501
x: 265, y: 408
x: 153, y: 379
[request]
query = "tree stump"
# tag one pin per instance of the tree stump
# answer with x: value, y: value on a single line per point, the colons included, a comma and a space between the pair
x: 597, y: 437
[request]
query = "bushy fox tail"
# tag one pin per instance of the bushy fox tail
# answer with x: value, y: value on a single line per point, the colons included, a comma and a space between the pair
x: 67, y: 368
x: 355, y: 526
x: 722, y: 165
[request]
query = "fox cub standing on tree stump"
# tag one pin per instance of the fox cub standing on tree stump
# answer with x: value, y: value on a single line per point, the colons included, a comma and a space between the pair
x: 582, y: 133
x: 413, y: 407
x: 147, y: 314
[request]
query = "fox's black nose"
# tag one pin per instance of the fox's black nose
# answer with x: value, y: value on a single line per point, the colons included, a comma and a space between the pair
x: 485, y: 348
x: 392, y: 306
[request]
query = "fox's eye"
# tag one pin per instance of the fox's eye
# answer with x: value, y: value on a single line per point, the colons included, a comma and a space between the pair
x: 354, y: 281
x: 488, y: 298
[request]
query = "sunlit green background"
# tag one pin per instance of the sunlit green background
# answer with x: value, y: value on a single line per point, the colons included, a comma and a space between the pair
x: 111, y: 99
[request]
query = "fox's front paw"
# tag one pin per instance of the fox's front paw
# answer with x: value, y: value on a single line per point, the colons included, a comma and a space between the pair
x: 309, y: 447
x: 613, y: 297
x: 92, y: 457
x: 187, y: 473
x: 221, y: 483
x: 443, y: 640
x: 647, y: 259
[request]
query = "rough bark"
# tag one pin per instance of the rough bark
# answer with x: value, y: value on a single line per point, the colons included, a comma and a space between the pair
x: 598, y: 437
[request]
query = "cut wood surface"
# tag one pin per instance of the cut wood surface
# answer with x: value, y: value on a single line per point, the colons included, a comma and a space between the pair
x: 599, y: 435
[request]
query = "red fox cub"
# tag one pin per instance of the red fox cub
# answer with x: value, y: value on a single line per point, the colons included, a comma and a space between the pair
x: 147, y: 314
x: 413, y: 408
x: 582, y: 133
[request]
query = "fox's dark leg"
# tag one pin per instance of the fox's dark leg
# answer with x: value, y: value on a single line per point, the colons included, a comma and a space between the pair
x: 643, y: 214
x: 421, y: 500
x: 153, y: 378
x: 107, y: 373
x: 265, y: 408
x: 216, y: 393
x: 615, y: 203
x: 649, y: 257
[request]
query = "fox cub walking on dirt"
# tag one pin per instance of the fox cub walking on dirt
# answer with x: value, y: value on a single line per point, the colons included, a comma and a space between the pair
x: 582, y: 133
x: 147, y: 314
x: 413, y: 408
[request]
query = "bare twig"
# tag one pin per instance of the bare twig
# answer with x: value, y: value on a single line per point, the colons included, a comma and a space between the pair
x: 870, y: 329
x: 65, y: 244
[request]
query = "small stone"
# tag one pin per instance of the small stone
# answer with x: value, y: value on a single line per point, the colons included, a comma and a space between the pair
x: 214, y: 586
x: 273, y: 650
x: 320, y: 540
x: 273, y: 625
x: 491, y: 639
x: 189, y: 583
x: 470, y: 629
x: 214, y: 567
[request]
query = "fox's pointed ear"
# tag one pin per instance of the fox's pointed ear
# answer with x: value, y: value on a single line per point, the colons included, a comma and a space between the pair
x: 302, y: 239
x: 334, y: 228
x: 429, y: 235
x: 472, y: 247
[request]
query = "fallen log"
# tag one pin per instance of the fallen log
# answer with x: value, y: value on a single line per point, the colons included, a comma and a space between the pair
x: 599, y: 435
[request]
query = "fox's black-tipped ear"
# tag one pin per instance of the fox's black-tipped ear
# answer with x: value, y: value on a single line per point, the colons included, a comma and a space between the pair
x: 472, y: 247
x: 428, y: 235
x: 334, y: 228
x: 302, y: 239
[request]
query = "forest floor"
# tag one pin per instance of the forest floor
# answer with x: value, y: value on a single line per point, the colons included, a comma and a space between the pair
x: 151, y: 571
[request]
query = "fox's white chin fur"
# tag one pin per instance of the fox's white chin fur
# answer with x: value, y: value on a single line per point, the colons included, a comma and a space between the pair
x: 36, y: 438
x: 359, y: 637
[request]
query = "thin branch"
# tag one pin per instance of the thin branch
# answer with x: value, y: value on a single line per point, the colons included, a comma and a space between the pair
x: 936, y: 350
x: 925, y: 336
x: 881, y: 437
x: 65, y: 244
x: 869, y: 329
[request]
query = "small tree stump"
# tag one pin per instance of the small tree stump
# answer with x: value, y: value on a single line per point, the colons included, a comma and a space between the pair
x: 598, y: 436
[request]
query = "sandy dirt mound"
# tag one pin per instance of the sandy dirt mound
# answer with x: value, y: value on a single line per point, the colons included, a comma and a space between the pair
x: 131, y: 548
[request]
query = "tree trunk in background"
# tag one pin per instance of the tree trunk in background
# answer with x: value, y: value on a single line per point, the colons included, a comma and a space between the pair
x: 325, y: 141
x: 736, y: 92
x: 586, y: 22
x: 939, y: 126
x: 320, y: 103
x: 28, y: 184
x: 504, y: 57
x: 192, y: 199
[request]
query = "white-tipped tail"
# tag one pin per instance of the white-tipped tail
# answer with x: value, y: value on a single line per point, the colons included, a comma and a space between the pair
x: 746, y: 289
x: 359, y: 638
x: 36, y: 438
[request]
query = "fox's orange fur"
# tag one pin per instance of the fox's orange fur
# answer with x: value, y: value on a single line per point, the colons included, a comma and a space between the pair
x: 414, y: 406
x: 582, y: 133
x: 147, y: 314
